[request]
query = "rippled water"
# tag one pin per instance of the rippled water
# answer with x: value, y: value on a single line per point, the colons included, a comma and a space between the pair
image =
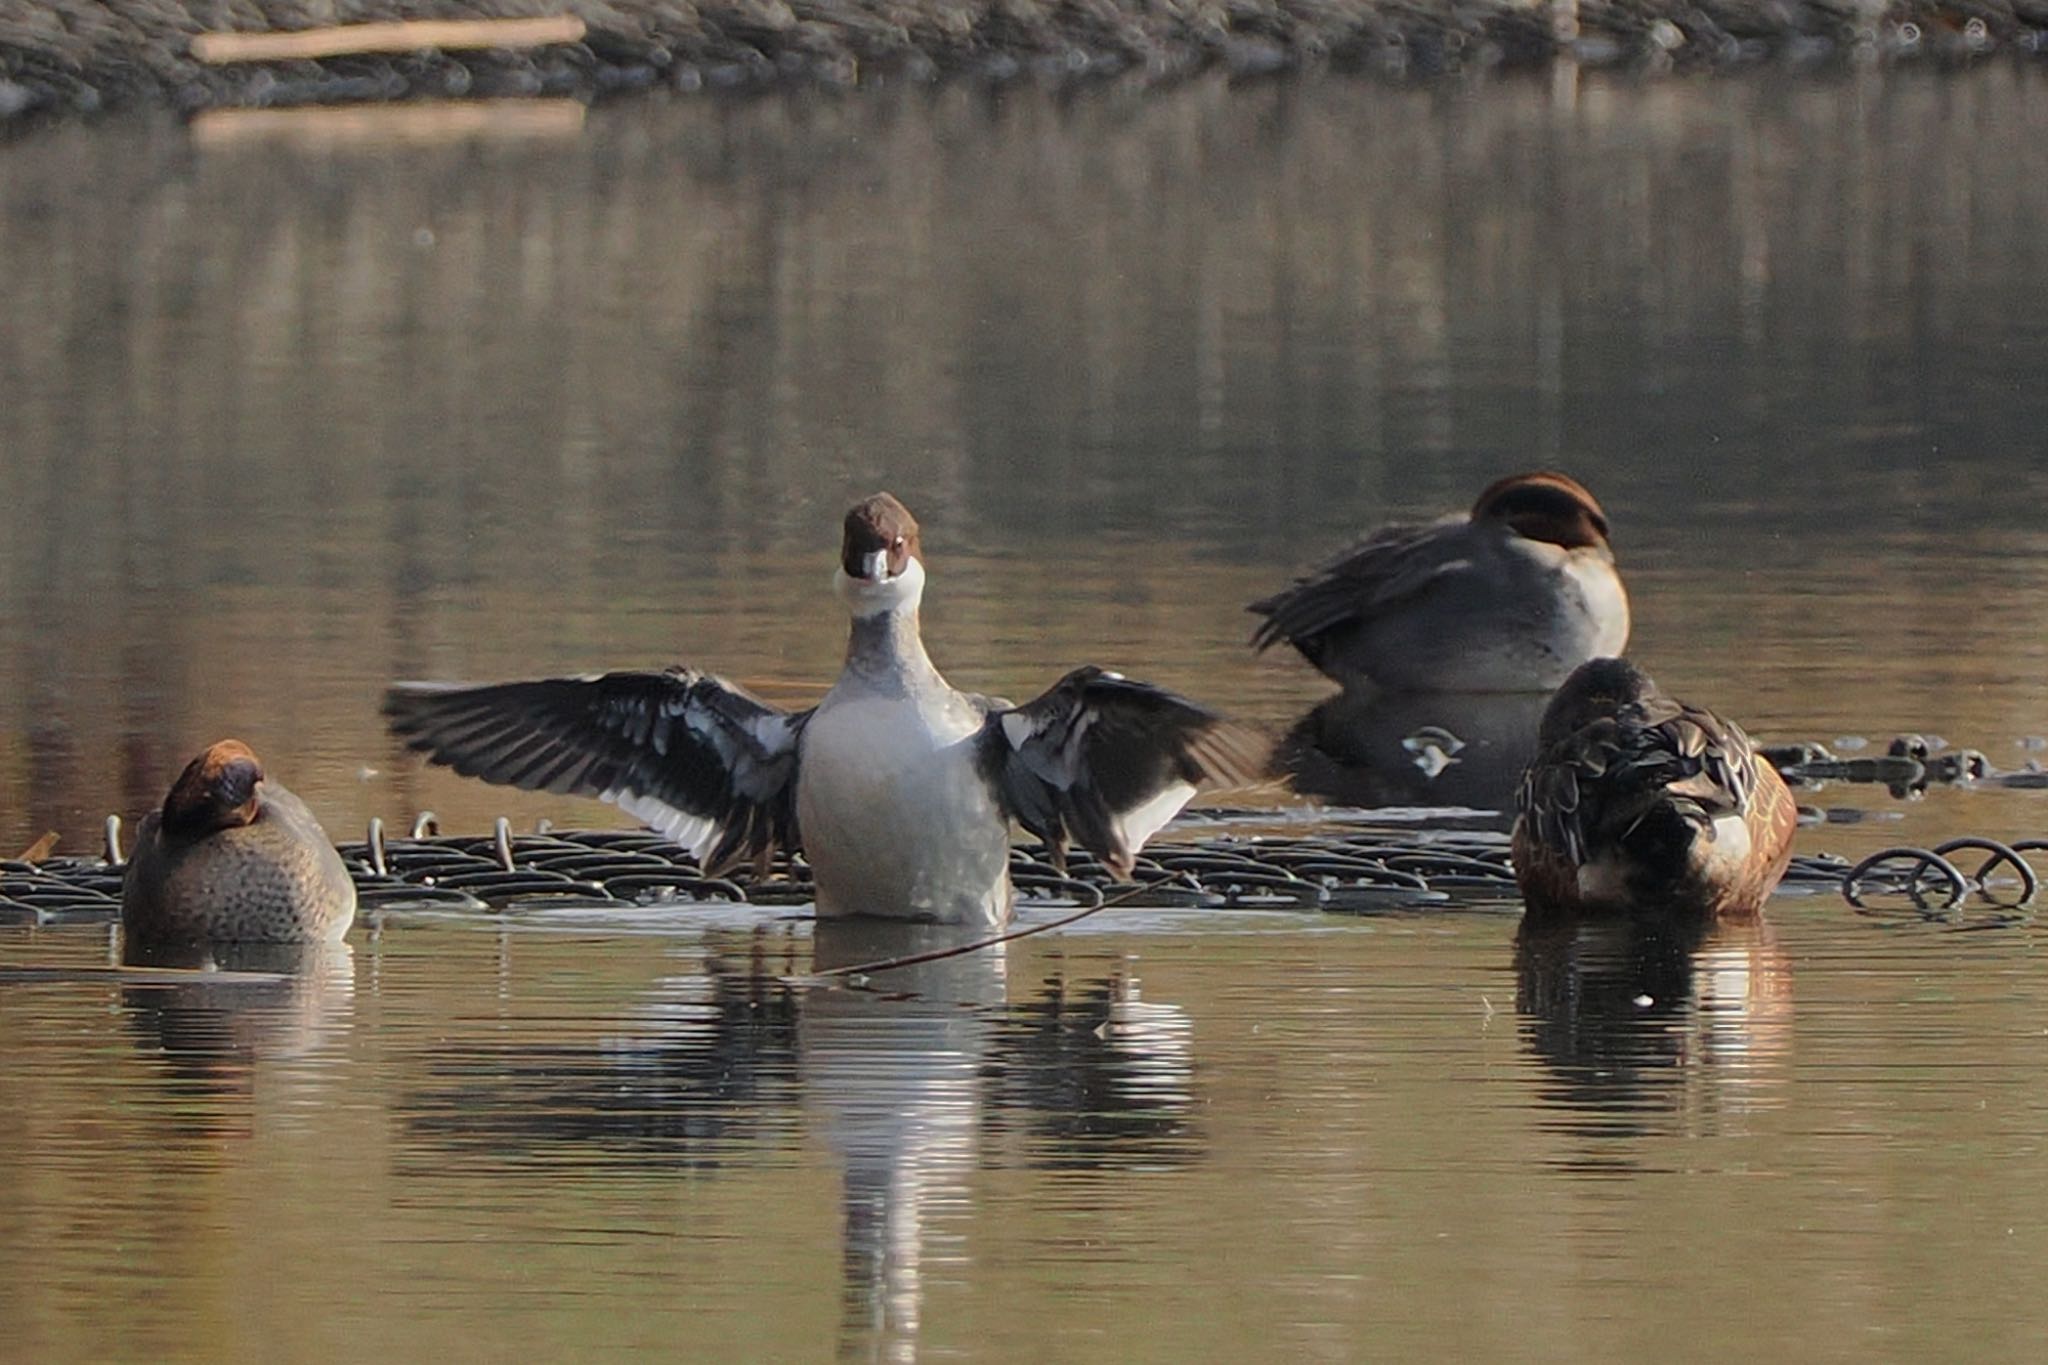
x: 281, y: 421
x: 1216, y: 1138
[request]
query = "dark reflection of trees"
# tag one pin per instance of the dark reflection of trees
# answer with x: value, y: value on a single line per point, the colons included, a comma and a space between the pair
x: 1636, y: 1018
x: 335, y: 404
x: 1371, y: 748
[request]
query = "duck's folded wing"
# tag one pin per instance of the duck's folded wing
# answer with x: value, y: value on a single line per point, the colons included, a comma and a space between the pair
x: 1560, y: 799
x: 1593, y: 787
x: 1105, y: 762
x: 692, y: 755
x: 1714, y: 766
x: 1392, y: 564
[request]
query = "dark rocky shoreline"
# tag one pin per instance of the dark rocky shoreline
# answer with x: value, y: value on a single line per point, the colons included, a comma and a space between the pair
x: 84, y: 55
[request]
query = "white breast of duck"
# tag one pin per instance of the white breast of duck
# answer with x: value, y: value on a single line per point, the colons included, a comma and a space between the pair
x: 1540, y: 593
x: 1587, y: 614
x: 897, y: 818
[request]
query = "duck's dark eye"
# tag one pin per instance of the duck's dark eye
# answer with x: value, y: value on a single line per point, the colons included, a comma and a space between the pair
x: 897, y: 544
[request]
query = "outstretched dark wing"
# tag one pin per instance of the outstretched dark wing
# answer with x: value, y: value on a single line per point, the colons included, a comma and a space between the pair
x: 690, y: 754
x: 1106, y: 761
x: 1393, y: 563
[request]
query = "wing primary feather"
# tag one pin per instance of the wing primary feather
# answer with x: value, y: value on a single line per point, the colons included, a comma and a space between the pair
x: 684, y: 751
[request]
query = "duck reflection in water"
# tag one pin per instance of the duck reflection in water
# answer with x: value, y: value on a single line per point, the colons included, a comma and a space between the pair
x: 1434, y: 750
x: 246, y: 1004
x: 1642, y: 1015
x: 911, y: 1073
x: 914, y: 1077
x: 892, y: 1069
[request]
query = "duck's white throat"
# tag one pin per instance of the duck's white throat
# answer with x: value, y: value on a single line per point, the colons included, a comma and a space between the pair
x: 876, y: 596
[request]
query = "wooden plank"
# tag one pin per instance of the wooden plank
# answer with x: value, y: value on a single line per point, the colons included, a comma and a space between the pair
x: 40, y: 850
x: 401, y: 35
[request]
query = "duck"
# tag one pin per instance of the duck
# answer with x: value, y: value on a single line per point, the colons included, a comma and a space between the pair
x: 1510, y: 597
x: 898, y: 788
x: 1639, y: 803
x: 233, y: 857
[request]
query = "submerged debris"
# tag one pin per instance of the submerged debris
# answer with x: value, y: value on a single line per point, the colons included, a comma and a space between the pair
x: 87, y: 54
x: 1909, y: 766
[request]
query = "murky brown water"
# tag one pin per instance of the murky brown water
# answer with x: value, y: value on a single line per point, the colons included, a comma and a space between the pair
x: 279, y: 423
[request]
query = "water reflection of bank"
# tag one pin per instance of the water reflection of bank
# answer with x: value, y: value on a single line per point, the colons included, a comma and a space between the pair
x: 714, y: 305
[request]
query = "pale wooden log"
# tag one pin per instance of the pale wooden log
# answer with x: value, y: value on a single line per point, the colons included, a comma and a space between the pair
x: 404, y: 35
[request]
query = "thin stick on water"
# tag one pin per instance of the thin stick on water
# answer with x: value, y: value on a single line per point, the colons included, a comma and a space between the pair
x: 962, y: 949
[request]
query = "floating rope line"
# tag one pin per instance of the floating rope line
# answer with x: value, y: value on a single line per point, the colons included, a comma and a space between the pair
x: 1344, y: 862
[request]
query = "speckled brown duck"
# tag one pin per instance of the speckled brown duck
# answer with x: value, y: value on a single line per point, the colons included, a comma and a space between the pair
x: 1637, y: 802
x: 234, y: 858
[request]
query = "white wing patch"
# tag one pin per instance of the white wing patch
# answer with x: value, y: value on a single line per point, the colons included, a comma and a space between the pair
x: 693, y: 832
x: 1140, y: 823
x: 1106, y: 762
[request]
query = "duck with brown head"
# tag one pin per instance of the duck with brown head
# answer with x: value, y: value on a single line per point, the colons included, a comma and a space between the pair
x: 234, y: 858
x: 1508, y: 598
x: 898, y: 788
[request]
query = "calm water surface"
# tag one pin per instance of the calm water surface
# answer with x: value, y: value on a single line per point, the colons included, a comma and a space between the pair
x: 281, y: 420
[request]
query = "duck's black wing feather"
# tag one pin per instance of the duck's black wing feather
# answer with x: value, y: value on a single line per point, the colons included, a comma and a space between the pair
x: 689, y: 753
x: 1105, y: 761
x: 1391, y: 565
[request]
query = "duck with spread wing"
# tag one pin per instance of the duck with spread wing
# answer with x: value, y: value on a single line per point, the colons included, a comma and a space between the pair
x: 898, y: 788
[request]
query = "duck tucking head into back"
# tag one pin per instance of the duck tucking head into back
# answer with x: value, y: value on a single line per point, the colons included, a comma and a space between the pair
x: 1639, y: 803
x: 1545, y: 506
x: 232, y: 857
x: 216, y: 791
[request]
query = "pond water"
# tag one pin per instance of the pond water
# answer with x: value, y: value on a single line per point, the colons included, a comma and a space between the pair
x: 285, y: 415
